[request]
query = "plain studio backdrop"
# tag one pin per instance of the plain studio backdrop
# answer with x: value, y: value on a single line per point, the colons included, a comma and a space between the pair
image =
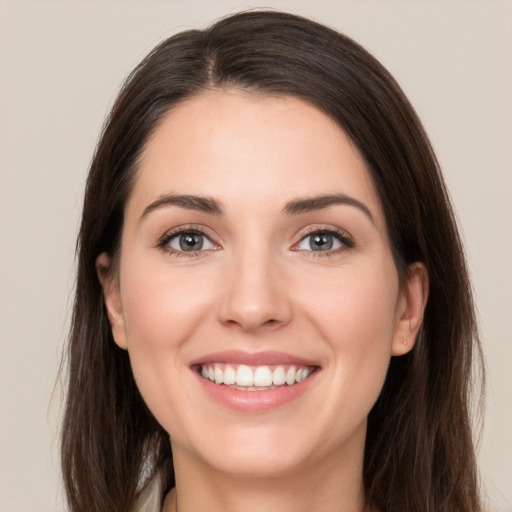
x: 61, y: 64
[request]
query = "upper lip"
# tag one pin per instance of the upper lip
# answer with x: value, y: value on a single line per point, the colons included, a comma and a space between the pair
x: 265, y: 358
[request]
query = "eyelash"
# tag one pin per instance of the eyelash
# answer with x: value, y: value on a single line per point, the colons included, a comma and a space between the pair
x: 342, y: 237
x: 163, y: 242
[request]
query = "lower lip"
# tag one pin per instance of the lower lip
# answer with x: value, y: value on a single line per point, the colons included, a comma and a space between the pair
x: 255, y: 401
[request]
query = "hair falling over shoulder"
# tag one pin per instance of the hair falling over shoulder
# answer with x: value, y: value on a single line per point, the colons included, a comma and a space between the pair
x: 419, y: 454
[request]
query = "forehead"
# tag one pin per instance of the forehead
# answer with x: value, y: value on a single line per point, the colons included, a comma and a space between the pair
x: 254, y: 148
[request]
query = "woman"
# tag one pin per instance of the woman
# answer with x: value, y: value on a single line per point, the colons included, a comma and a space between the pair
x: 272, y: 307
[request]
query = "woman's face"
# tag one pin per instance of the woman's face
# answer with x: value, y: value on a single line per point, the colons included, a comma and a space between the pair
x: 256, y: 292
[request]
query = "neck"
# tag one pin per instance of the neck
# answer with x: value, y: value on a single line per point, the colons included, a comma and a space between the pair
x: 323, y: 487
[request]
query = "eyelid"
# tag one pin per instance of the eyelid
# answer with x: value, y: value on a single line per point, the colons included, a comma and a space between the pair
x: 346, y: 240
x: 163, y: 241
x: 341, y: 235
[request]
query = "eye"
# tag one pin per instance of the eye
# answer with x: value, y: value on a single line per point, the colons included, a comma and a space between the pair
x: 324, y: 240
x: 184, y: 241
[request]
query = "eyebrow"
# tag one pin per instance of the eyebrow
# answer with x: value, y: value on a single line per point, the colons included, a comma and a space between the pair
x: 309, y: 204
x: 190, y: 202
x: 295, y: 207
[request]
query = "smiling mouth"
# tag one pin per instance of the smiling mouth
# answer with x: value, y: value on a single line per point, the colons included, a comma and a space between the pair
x: 254, y: 378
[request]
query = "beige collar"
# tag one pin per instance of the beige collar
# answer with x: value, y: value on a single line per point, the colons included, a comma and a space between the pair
x: 151, y: 496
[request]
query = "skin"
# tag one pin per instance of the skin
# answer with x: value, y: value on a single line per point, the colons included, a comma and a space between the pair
x: 259, y: 286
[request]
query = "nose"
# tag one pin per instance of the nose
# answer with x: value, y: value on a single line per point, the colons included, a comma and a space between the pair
x: 255, y: 295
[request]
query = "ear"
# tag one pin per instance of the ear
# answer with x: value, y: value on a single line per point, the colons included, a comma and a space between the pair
x: 410, y: 308
x: 112, y: 296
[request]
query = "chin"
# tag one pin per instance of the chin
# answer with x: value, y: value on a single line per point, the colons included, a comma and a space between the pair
x: 258, y: 464
x: 257, y: 451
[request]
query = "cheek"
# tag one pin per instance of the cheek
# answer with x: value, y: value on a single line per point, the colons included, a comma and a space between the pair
x: 356, y: 306
x: 355, y: 315
x: 161, y: 310
x: 160, y: 307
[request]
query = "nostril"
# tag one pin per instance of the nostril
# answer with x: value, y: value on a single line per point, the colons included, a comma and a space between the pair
x: 250, y: 306
x: 253, y: 324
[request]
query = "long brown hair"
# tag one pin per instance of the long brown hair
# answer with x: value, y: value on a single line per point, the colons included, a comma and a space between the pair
x: 419, y: 454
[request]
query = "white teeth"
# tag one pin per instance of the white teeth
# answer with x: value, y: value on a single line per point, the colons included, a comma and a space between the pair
x: 263, y: 376
x: 304, y: 374
x: 257, y: 377
x: 279, y: 376
x: 229, y: 375
x: 244, y: 376
x: 290, y: 376
x: 219, y: 375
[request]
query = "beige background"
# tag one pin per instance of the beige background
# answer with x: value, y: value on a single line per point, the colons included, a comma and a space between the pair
x: 60, y: 66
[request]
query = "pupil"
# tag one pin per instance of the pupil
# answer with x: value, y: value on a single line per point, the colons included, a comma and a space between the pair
x: 191, y: 242
x: 321, y: 242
